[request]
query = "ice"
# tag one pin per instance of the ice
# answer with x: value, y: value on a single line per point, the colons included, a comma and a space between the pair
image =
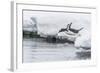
x: 84, y: 39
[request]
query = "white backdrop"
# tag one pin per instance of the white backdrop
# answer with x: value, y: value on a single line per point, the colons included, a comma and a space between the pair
x: 5, y: 35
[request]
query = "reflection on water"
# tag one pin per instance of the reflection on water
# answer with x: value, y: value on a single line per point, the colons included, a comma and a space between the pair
x: 35, y: 50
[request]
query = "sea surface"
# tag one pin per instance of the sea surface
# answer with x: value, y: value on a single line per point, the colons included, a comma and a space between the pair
x: 38, y: 50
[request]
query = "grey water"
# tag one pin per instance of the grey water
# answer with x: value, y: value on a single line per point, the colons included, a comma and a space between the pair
x: 38, y: 50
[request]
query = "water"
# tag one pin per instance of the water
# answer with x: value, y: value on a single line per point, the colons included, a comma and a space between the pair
x: 37, y: 50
